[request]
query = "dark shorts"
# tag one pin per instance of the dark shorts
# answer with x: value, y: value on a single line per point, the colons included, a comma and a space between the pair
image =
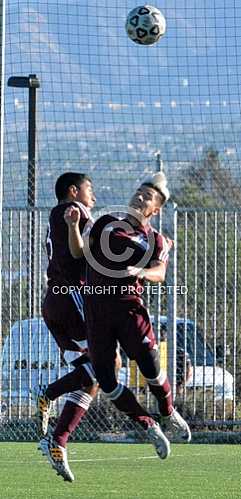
x: 125, y: 322
x: 64, y: 317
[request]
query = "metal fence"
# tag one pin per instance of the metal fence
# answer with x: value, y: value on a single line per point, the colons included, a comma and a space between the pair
x: 208, y: 254
x: 195, y: 314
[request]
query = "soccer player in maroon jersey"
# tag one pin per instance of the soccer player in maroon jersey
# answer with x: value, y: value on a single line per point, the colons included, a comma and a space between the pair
x: 123, y: 254
x: 64, y: 316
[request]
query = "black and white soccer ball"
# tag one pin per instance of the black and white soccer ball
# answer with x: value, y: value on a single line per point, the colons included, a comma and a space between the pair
x: 145, y: 25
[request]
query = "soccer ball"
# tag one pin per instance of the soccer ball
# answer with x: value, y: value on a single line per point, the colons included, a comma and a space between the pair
x: 145, y: 25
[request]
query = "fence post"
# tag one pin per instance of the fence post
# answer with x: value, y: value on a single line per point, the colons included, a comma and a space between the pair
x: 172, y: 302
x: 2, y: 76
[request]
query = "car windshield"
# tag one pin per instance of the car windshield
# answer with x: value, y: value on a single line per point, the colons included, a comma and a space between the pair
x: 200, y: 360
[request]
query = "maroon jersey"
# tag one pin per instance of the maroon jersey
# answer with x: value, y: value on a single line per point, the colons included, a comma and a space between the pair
x: 64, y: 313
x: 63, y: 269
x: 141, y: 245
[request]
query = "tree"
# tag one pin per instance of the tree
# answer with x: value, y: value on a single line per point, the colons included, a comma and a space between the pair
x: 210, y: 181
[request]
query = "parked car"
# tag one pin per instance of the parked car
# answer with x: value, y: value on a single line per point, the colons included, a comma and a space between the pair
x: 205, y: 373
x: 30, y: 356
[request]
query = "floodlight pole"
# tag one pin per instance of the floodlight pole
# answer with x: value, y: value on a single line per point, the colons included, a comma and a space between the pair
x: 32, y: 83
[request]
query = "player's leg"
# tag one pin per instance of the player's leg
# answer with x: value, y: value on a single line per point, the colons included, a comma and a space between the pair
x: 54, y: 446
x: 76, y: 406
x: 140, y: 344
x: 102, y: 349
x: 68, y: 329
x: 147, y: 359
x: 74, y: 380
x: 160, y: 387
x: 78, y: 401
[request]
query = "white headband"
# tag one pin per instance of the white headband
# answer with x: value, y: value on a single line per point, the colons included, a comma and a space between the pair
x: 159, y: 182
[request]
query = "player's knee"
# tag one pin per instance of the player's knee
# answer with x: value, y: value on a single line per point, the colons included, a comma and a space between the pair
x: 157, y: 380
x: 92, y: 390
x: 149, y: 364
x: 116, y: 393
x: 106, y: 377
x: 85, y: 375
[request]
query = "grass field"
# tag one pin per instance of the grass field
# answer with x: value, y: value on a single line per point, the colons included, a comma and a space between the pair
x: 119, y: 471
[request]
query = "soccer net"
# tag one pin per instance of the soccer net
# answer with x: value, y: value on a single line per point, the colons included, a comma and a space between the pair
x: 119, y: 111
x: 106, y: 105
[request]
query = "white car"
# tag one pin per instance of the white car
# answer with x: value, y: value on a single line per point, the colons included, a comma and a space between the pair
x: 206, y: 375
x: 30, y: 357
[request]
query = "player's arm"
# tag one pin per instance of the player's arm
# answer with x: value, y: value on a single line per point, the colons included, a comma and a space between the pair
x: 75, y: 240
x: 156, y: 272
x: 157, y: 266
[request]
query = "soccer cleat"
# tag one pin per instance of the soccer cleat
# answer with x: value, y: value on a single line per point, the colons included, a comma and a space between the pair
x: 59, y: 460
x: 57, y: 457
x: 43, y: 410
x: 178, y: 428
x: 158, y: 439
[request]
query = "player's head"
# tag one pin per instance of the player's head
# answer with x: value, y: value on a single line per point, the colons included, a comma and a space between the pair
x: 151, y: 195
x: 72, y: 186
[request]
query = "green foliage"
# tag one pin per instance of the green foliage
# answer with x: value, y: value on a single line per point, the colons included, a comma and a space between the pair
x: 191, y: 196
x: 209, y: 183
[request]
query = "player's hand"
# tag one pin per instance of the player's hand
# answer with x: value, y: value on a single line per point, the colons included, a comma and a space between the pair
x: 167, y: 245
x: 72, y: 216
x: 135, y: 271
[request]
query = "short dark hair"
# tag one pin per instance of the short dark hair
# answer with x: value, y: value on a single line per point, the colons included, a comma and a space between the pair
x: 66, y: 180
x: 163, y: 198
